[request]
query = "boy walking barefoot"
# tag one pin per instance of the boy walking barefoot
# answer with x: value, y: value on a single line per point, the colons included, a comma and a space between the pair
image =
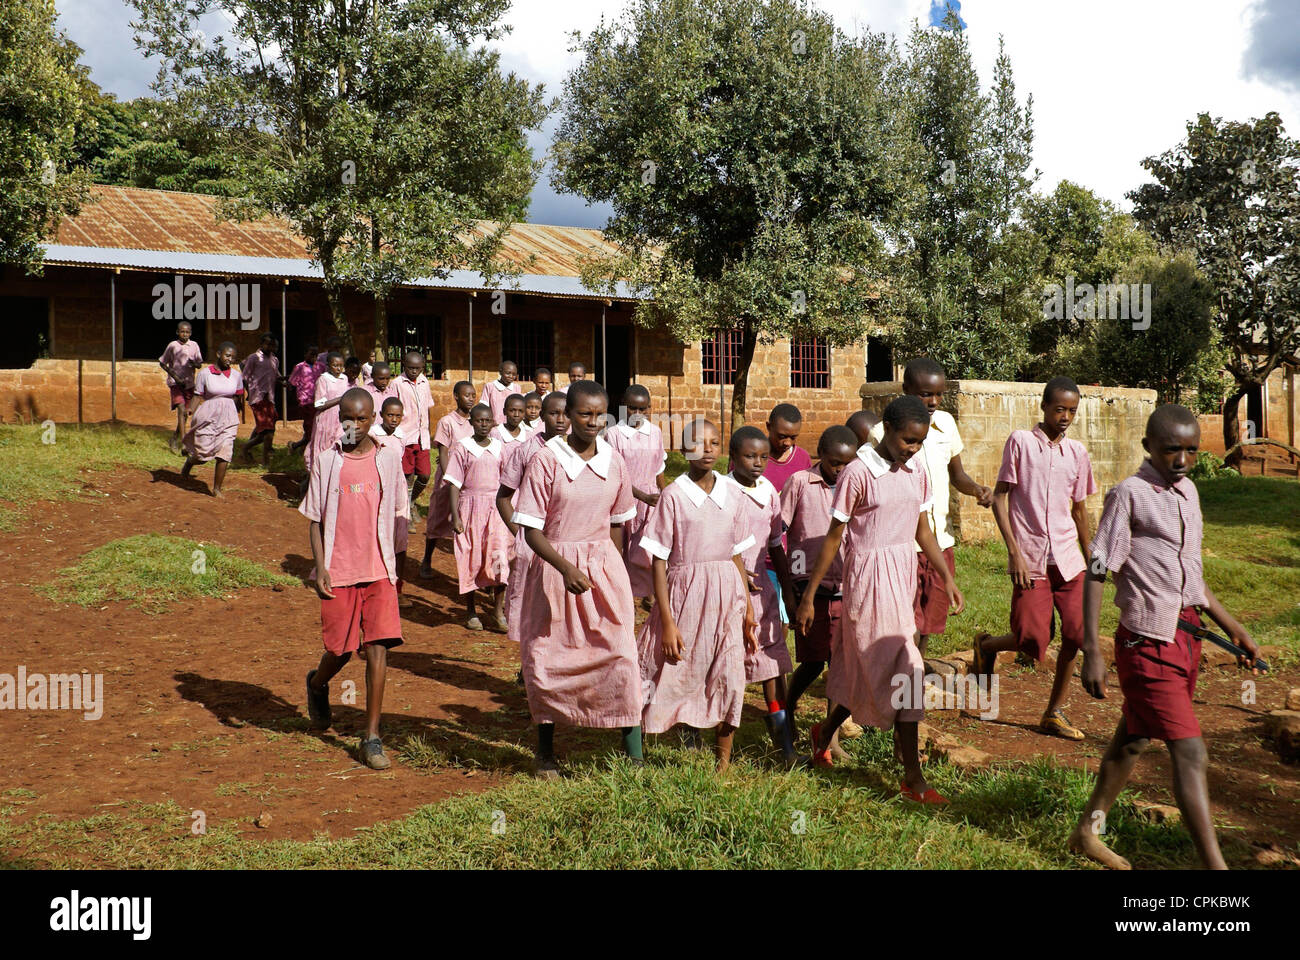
x: 181, y: 358
x: 355, y: 496
x: 1039, y: 506
x: 1150, y: 538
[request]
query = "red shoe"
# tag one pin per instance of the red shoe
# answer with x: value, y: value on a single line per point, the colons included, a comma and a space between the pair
x: 931, y: 797
x: 821, y: 756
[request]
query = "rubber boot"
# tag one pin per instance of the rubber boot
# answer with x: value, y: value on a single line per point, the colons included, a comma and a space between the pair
x: 782, y: 736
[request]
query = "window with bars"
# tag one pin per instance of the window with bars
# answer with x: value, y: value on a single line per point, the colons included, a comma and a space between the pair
x: 810, y: 364
x: 719, y: 357
x: 415, y: 331
x: 529, y: 343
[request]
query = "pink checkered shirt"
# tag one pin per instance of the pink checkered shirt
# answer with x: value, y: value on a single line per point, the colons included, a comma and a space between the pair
x: 1150, y: 538
x: 1046, y: 480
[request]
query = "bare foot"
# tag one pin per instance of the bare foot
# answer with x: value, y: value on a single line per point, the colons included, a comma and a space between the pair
x: 218, y: 494
x: 1088, y: 844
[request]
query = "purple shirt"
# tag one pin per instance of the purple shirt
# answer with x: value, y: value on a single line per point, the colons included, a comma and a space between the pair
x: 1150, y: 538
x: 778, y: 473
x: 181, y: 360
x: 1046, y: 480
x: 260, y: 373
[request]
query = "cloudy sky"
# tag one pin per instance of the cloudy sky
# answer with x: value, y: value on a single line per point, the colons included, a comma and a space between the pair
x: 1113, y: 81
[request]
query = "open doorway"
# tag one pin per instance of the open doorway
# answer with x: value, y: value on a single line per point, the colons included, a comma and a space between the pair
x: 27, y: 331
x: 617, y: 353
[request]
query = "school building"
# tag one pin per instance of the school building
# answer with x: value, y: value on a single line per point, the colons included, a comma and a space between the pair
x: 112, y: 271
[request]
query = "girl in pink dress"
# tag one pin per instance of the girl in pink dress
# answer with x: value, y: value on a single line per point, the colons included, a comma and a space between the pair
x: 482, y: 542
x: 642, y: 447
x: 303, y: 380
x: 759, y: 504
x: 876, y: 670
x: 512, y: 430
x: 693, y: 645
x: 330, y: 387
x: 577, y: 632
x: 533, y: 411
x: 452, y: 426
x: 218, y: 399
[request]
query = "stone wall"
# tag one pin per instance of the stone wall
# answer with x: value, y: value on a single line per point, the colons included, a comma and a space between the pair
x: 1110, y: 424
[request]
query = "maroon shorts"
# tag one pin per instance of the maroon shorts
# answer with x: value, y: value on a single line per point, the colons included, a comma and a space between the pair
x: 826, y: 619
x: 263, y: 415
x: 1158, y: 680
x: 363, y: 608
x: 1031, y: 614
x: 416, y: 461
x: 181, y: 395
x: 931, y: 602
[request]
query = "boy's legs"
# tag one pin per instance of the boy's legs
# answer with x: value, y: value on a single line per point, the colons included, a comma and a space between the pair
x: 1116, y: 767
x: 376, y: 673
x: 1067, y: 597
x: 1193, y: 797
x: 220, y: 477
x: 726, y: 735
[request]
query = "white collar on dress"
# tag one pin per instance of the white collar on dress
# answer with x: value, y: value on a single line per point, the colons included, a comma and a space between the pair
x: 470, y: 444
x: 644, y: 428
x: 377, y: 430
x: 697, y: 496
x: 877, y: 464
x: 761, y: 492
x: 499, y: 432
x: 573, y: 464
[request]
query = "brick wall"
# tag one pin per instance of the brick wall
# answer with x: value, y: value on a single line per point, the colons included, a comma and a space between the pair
x: 1110, y: 424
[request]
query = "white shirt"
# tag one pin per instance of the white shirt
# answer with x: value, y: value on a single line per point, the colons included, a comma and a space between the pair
x: 942, y: 443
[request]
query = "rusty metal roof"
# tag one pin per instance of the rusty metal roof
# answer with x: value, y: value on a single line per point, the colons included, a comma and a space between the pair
x: 130, y: 226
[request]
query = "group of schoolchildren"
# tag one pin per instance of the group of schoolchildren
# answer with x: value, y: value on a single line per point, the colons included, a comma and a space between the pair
x: 562, y: 514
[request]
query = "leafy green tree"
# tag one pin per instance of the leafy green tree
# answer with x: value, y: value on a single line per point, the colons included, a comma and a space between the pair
x: 40, y: 105
x: 964, y: 269
x: 380, y: 129
x: 754, y: 160
x: 1230, y: 193
x: 1174, y: 348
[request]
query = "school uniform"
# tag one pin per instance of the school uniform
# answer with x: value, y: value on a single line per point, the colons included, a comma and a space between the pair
x: 303, y: 380
x: 325, y: 427
x: 261, y: 371
x: 357, y: 499
x: 451, y: 428
x: 1046, y: 480
x: 878, y: 502
x: 642, y: 449
x: 495, y: 394
x: 759, y: 507
x: 379, y: 396
x: 579, y: 651
x: 942, y: 443
x: 698, y: 535
x: 499, y: 432
x: 806, y: 503
x: 396, y: 442
x: 1149, y: 537
x: 181, y: 360
x: 216, y: 421
x: 416, y: 401
x: 484, y: 547
x: 512, y: 476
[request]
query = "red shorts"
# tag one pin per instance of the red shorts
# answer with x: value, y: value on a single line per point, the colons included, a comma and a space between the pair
x: 363, y: 608
x: 181, y: 394
x: 1158, y: 680
x: 416, y: 461
x: 1031, y: 614
x: 263, y: 415
x: 931, y: 602
x: 826, y: 619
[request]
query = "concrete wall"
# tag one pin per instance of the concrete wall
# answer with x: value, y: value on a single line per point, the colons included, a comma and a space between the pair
x: 1110, y: 425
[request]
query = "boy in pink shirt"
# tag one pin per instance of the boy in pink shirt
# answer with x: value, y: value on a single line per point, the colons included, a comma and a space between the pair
x: 495, y: 392
x: 382, y: 387
x: 261, y: 371
x: 181, y: 358
x: 577, y: 371
x: 413, y: 391
x: 1039, y: 507
x: 303, y: 380
x: 355, y: 496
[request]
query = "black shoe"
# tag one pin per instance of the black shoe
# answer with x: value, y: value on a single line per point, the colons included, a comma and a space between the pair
x: 318, y: 705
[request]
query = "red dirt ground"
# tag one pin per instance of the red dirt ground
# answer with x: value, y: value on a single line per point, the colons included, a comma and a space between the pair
x: 199, y: 701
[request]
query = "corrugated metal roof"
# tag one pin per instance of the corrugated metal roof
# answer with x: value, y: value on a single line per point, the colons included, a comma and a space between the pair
x: 162, y: 230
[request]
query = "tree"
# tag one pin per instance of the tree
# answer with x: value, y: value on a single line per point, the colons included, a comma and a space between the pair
x: 1174, y: 349
x: 963, y: 269
x: 373, y: 126
x: 40, y: 106
x: 753, y: 159
x: 1229, y: 193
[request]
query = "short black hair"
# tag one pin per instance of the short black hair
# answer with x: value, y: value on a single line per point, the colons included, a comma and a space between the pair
x: 905, y: 409
x: 381, y: 365
x: 1167, y: 416
x: 508, y: 363
x: 584, y: 388
x: 836, y: 436
x: 921, y: 367
x: 538, y: 372
x: 787, y: 412
x: 692, y: 427
x: 636, y: 390
x: 1059, y: 385
x: 552, y: 398
x: 513, y: 398
x: 413, y: 353
x: 329, y: 357
x: 743, y: 434
x: 473, y: 411
x: 358, y: 393
x: 534, y: 395
x: 461, y: 383
x: 389, y: 402
x: 577, y: 365
x: 224, y: 344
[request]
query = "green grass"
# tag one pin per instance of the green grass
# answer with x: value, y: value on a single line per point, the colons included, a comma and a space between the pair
x: 152, y: 572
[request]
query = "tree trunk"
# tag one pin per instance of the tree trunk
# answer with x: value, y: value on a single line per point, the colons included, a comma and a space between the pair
x: 740, y: 389
x: 1231, y: 430
x: 381, y: 329
x: 341, y: 326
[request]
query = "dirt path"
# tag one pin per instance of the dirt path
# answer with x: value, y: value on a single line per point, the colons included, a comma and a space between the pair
x: 204, y: 706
